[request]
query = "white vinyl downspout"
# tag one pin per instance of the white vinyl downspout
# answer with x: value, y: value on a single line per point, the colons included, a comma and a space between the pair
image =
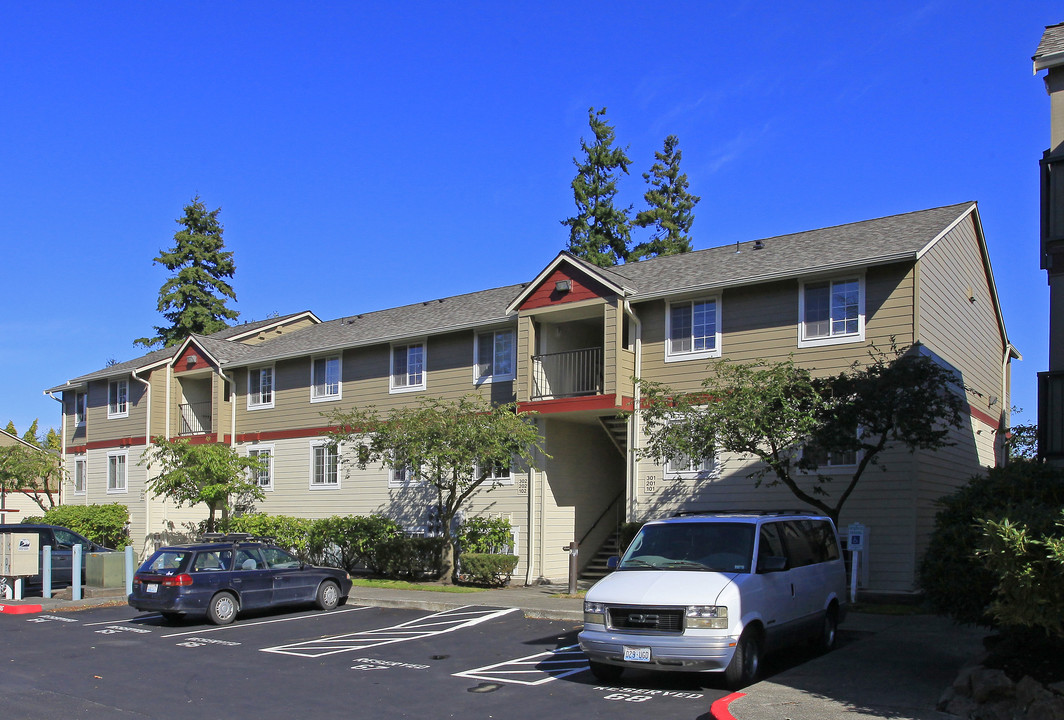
x: 147, y: 442
x: 62, y: 439
x: 633, y: 426
x: 232, y: 407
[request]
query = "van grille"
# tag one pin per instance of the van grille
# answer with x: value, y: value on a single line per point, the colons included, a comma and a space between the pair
x: 647, y: 619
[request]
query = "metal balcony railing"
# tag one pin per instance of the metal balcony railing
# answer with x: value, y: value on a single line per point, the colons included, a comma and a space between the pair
x: 195, y: 418
x: 567, y: 374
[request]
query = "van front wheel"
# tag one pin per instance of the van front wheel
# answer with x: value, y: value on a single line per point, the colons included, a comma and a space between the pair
x: 745, y: 663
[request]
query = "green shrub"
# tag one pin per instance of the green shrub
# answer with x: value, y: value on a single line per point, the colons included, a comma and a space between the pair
x: 1029, y: 568
x: 351, y: 541
x: 403, y: 557
x: 957, y: 582
x: 485, y: 535
x: 107, y: 525
x: 488, y: 568
x: 288, y: 532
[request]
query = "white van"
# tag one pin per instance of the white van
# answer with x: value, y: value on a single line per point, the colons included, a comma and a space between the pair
x: 714, y: 592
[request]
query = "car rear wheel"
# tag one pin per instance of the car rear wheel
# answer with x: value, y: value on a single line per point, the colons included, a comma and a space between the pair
x: 604, y: 672
x: 328, y: 595
x: 746, y: 662
x: 223, y: 608
x: 829, y: 631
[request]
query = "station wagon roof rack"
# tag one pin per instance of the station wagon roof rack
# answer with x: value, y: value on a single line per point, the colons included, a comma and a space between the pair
x: 233, y: 537
x: 691, y: 513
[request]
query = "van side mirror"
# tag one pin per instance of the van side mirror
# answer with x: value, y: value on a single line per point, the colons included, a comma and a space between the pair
x: 612, y: 562
x: 772, y: 563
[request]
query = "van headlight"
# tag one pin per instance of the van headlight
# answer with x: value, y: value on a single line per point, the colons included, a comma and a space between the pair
x: 594, y: 613
x: 714, y: 617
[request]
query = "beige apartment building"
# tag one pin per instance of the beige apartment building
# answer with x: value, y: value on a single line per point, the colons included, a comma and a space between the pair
x: 568, y: 345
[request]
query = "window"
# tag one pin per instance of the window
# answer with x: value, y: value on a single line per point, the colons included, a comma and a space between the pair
x: 495, y: 356
x: 79, y: 408
x: 825, y: 459
x: 831, y: 311
x: 408, y: 367
x: 323, y: 466
x: 79, y: 476
x: 692, y: 330
x: 325, y: 379
x: 500, y: 475
x: 116, y: 472
x: 260, y: 388
x: 264, y: 475
x: 684, y: 466
x: 400, y: 477
x: 118, y: 399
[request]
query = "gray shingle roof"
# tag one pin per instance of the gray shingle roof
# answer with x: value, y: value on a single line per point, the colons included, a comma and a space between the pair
x: 1052, y: 44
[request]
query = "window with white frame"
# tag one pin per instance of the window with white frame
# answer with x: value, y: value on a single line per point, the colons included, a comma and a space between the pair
x: 79, y: 476
x: 692, y: 329
x: 324, y: 461
x: 680, y: 466
x: 263, y: 476
x: 495, y: 356
x: 408, y: 367
x: 80, y: 406
x: 499, y: 474
x: 831, y: 312
x: 325, y: 378
x: 118, y: 399
x: 116, y: 472
x: 401, y: 477
x: 260, y: 388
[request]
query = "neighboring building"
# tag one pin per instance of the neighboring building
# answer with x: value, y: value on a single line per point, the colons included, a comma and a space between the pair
x: 568, y: 345
x: 1050, y: 57
x: 17, y: 504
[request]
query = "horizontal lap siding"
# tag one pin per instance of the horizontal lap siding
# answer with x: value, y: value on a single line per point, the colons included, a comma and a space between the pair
x: 98, y: 428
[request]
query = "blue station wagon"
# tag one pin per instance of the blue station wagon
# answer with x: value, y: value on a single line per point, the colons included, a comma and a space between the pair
x: 227, y: 575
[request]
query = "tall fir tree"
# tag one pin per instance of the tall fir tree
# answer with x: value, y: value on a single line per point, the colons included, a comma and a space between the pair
x: 599, y: 233
x: 669, y: 206
x: 194, y: 298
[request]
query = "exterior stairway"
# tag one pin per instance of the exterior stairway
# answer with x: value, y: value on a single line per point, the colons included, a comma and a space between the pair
x: 596, y: 569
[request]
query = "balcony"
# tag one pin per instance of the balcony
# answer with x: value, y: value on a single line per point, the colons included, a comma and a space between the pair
x: 573, y: 373
x: 196, y: 418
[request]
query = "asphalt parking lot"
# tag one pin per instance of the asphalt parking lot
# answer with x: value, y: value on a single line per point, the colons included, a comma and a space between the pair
x: 369, y: 662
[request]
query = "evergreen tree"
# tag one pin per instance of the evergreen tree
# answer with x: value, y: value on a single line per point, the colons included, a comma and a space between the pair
x: 193, y: 299
x: 599, y: 233
x: 669, y: 206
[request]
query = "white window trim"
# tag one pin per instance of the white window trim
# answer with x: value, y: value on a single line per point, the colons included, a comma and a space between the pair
x: 841, y: 339
x: 671, y: 356
x: 477, y: 379
x: 125, y: 467
x: 411, y: 482
x: 253, y: 403
x: 112, y: 415
x: 81, y: 462
x: 688, y: 474
x: 339, y: 383
x: 392, y: 387
x: 266, y: 448
x: 323, y: 486
x: 499, y: 481
x: 84, y: 397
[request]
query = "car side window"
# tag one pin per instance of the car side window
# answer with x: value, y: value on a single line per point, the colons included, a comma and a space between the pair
x: 800, y: 549
x: 770, y: 544
x: 823, y: 538
x: 212, y: 561
x: 278, y: 558
x: 248, y: 559
x: 66, y: 539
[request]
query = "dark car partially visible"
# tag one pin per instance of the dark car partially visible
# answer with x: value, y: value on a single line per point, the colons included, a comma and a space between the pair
x: 222, y: 577
x: 62, y: 541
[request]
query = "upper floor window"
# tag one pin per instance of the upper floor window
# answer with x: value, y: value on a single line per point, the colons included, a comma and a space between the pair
x: 79, y: 408
x: 831, y: 311
x: 325, y: 378
x: 260, y: 388
x: 400, y: 477
x: 118, y: 399
x: 264, y: 475
x: 692, y: 330
x: 498, y: 475
x: 79, y: 475
x: 495, y: 356
x: 116, y: 472
x: 408, y: 367
x: 324, y: 462
x: 685, y: 466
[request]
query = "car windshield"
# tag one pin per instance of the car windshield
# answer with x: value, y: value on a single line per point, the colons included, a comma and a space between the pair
x: 700, y: 546
x: 166, y: 562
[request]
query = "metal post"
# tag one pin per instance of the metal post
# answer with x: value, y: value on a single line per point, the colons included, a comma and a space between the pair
x: 75, y: 587
x: 129, y: 569
x: 574, y: 551
x: 46, y: 571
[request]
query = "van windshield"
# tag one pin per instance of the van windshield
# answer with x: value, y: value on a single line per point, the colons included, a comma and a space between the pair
x: 700, y: 546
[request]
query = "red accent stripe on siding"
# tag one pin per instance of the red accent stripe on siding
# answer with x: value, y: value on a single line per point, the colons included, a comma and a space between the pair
x: 584, y: 288
x: 283, y: 434
x: 106, y: 444
x: 987, y: 418
x: 592, y: 402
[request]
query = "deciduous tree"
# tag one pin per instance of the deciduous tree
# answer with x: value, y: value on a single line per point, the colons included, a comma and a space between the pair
x: 193, y: 300
x: 669, y: 206
x: 31, y: 467
x: 453, y: 446
x: 599, y: 233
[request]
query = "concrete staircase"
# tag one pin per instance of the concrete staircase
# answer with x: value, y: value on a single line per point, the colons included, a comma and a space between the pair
x: 596, y: 569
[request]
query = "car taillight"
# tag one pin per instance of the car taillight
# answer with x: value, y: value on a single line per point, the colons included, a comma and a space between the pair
x: 181, y: 580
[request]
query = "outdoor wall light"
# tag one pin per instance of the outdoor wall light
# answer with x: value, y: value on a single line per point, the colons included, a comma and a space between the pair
x: 563, y: 286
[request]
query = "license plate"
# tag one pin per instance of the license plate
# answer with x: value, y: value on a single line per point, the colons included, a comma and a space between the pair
x: 636, y: 654
x: 151, y: 587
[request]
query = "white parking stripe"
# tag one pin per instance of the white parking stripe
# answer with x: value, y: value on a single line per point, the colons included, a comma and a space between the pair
x: 428, y: 626
x: 237, y: 626
x: 566, y: 661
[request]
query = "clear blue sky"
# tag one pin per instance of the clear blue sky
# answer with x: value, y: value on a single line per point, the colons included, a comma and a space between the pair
x: 367, y: 155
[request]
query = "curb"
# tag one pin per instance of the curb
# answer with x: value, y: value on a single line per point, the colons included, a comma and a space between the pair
x: 20, y: 609
x: 719, y: 709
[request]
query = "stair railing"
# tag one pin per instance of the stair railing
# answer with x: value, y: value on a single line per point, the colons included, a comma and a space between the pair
x: 602, y: 515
